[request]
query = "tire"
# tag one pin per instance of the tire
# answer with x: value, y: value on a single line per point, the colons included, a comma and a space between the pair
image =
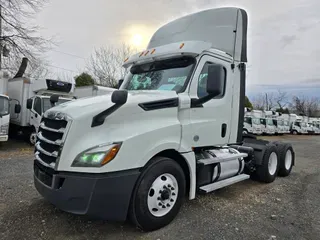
x: 32, y: 138
x: 294, y: 132
x: 165, y: 175
x: 286, y: 159
x: 264, y: 173
x: 244, y: 132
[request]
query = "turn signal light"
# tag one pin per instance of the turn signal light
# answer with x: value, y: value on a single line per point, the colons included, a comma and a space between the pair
x: 111, y: 154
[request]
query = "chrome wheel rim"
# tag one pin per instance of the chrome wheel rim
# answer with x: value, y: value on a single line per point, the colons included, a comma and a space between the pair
x: 272, y: 164
x: 162, y: 195
x: 33, y: 138
x: 288, y: 160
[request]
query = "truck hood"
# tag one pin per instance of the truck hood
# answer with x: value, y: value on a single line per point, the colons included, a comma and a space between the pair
x: 94, y: 105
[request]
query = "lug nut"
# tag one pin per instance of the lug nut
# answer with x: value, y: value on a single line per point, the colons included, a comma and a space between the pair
x: 169, y: 186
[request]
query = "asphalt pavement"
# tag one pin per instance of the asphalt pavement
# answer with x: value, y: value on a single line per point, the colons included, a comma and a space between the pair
x: 288, y: 208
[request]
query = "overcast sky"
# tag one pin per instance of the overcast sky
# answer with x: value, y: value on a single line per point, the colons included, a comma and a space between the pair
x: 283, y: 35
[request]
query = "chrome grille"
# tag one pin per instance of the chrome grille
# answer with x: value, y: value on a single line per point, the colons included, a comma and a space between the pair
x: 50, y: 139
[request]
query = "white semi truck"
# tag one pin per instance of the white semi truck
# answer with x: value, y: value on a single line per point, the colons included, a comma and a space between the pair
x: 252, y: 122
x: 173, y: 129
x: 34, y: 98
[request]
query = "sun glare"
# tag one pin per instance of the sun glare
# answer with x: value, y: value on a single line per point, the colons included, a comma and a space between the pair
x: 137, y: 40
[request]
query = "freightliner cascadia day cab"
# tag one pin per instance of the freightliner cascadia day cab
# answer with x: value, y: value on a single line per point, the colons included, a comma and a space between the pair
x: 172, y: 130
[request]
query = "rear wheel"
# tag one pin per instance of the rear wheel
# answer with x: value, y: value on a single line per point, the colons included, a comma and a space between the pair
x: 268, y: 170
x: 32, y: 138
x: 286, y: 159
x: 158, y: 194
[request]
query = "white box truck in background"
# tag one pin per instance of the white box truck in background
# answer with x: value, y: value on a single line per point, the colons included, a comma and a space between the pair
x: 4, y: 108
x: 34, y: 98
x: 91, y: 91
x: 172, y: 130
x: 5, y: 103
x: 252, y: 122
x: 298, y: 126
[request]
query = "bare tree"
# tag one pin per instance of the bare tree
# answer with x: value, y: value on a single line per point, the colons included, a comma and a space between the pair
x: 281, y: 98
x: 306, y: 106
x: 18, y: 40
x: 105, y: 64
x: 269, y: 101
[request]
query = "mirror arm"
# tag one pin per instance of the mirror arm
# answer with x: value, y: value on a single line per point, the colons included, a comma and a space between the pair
x: 197, y: 102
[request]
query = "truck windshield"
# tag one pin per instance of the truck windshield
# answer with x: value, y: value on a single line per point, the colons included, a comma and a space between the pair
x: 280, y: 123
x: 286, y: 123
x: 168, y: 75
x: 270, y: 122
x: 4, y: 106
x: 256, y: 121
x: 263, y: 121
x: 47, y: 104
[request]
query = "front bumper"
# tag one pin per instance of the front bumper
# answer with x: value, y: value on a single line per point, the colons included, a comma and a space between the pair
x: 102, y: 196
x: 3, y: 138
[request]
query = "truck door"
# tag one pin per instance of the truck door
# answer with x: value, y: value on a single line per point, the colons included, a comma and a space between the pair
x: 210, y: 123
x: 36, y: 111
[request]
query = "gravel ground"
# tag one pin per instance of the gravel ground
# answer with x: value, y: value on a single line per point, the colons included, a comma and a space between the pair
x: 289, y: 208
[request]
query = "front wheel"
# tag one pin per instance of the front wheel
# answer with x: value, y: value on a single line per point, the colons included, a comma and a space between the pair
x: 32, y: 138
x: 158, y: 195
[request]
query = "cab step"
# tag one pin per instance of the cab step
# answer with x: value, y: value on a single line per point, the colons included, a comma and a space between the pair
x: 230, y: 157
x: 223, y: 183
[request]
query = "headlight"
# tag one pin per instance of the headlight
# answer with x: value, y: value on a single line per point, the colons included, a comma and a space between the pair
x: 97, y: 156
x: 4, y: 129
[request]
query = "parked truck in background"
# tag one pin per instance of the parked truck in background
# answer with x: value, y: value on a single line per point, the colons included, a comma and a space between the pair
x: 5, y: 103
x: 297, y: 125
x: 252, y: 122
x: 34, y: 98
x: 173, y: 129
x: 4, y: 108
x: 285, y: 117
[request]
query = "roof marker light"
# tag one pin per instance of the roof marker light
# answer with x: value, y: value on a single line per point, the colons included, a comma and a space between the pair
x: 152, y: 52
x: 182, y: 45
x: 126, y: 59
x: 141, y: 54
x: 146, y: 53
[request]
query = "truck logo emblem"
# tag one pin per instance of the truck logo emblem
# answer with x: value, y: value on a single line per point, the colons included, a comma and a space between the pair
x: 196, y: 138
x: 60, y: 84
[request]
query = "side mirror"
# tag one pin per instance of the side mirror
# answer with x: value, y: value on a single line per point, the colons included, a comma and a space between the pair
x: 120, y: 83
x: 54, y: 99
x: 17, y: 108
x: 119, y: 97
x: 29, y: 103
x: 215, y: 80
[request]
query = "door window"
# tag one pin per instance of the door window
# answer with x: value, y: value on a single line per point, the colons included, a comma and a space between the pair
x: 202, y: 83
x: 37, y: 105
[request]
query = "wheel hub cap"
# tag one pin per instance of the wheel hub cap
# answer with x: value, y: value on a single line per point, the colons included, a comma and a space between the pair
x: 163, y: 195
x: 272, y: 164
